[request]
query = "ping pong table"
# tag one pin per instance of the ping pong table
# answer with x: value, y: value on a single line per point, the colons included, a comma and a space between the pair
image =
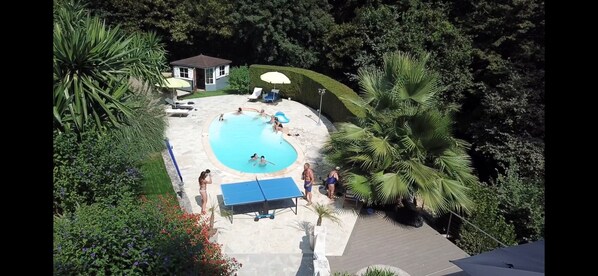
x: 260, y: 191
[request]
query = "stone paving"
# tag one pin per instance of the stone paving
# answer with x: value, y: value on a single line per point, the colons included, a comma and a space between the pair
x: 267, y: 247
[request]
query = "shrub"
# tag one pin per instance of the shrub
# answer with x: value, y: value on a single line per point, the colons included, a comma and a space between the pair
x: 338, y: 103
x: 152, y: 238
x: 487, y: 217
x: 239, y: 79
x: 96, y: 168
x: 522, y: 204
x: 374, y: 271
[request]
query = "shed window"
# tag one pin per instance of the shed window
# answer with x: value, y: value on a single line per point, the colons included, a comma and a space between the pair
x: 222, y: 72
x: 184, y: 72
x: 210, y: 76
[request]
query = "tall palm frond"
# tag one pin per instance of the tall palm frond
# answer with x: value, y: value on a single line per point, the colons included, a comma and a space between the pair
x: 92, y: 67
x: 390, y: 186
x: 404, y: 146
x: 360, y: 186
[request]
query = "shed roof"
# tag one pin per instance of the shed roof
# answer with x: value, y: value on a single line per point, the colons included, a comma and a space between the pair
x: 201, y: 61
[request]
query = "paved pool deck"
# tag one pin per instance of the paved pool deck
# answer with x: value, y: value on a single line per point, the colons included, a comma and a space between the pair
x: 270, y: 246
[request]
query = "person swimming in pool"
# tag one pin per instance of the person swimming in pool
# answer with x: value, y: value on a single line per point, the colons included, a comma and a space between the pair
x: 240, y: 111
x: 263, y: 113
x: 253, y: 157
x: 263, y: 161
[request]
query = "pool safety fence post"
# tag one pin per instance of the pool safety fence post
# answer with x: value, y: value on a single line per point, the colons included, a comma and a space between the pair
x: 321, y: 91
x: 176, y: 166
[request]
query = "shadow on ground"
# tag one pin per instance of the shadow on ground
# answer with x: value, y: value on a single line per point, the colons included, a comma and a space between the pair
x: 253, y: 209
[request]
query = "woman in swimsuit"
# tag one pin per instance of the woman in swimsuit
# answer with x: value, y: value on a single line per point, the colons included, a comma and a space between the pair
x: 331, y: 182
x: 205, y: 178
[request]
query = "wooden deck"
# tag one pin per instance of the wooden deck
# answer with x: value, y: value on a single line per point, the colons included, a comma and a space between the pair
x: 377, y: 239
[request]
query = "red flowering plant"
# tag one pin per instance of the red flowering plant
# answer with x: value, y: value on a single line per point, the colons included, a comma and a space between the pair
x: 186, y: 237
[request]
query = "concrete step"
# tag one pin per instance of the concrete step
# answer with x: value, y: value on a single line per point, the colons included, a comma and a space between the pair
x: 275, y: 264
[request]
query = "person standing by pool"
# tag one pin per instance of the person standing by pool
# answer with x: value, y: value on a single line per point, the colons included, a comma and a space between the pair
x: 205, y: 178
x: 331, y: 182
x: 308, y: 180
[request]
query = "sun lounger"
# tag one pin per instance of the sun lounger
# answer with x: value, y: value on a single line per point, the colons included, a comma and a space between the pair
x: 180, y: 112
x: 348, y: 195
x: 257, y: 91
x: 178, y: 105
x: 272, y: 96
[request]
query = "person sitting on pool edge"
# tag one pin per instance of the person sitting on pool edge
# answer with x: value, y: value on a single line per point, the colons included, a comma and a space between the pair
x: 275, y: 125
x: 263, y: 161
x: 279, y: 127
x: 221, y: 118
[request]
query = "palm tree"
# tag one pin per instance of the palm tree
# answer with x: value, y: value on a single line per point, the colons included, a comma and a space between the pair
x: 324, y: 211
x: 403, y: 147
x: 93, y: 65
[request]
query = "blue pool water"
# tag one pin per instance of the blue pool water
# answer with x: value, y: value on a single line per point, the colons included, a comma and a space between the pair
x: 238, y: 137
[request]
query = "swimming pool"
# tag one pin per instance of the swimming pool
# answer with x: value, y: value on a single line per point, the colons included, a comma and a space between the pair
x: 235, y: 139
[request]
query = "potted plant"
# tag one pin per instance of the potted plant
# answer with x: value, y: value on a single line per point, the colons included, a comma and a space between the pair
x: 323, y: 211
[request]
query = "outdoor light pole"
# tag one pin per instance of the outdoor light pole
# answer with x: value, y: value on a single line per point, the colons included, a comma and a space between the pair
x: 321, y: 91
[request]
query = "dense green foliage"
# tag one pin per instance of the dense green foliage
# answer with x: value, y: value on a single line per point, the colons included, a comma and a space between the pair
x: 338, y: 104
x: 92, y: 169
x: 505, y: 117
x: 487, y: 216
x: 404, y: 147
x: 151, y: 238
x: 181, y: 22
x: 413, y: 27
x: 239, y: 79
x: 522, y: 204
x: 281, y: 32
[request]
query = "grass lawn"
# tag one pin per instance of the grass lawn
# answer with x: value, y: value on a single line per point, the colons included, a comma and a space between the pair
x: 155, y: 179
x: 203, y: 94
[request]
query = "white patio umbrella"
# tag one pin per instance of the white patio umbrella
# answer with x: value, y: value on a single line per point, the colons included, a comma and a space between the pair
x: 275, y: 78
x: 174, y: 83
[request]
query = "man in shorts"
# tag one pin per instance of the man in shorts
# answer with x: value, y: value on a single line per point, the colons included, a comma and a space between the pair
x: 308, y: 181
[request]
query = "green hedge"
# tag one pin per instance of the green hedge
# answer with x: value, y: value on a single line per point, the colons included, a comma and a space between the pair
x: 337, y: 103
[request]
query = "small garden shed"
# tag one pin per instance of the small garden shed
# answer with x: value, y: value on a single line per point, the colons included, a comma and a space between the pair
x: 204, y: 73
